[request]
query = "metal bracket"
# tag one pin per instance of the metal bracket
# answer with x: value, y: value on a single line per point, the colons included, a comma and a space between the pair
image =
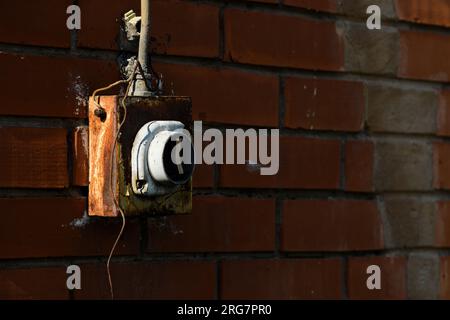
x: 132, y: 25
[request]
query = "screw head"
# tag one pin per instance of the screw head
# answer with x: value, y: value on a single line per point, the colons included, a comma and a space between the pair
x: 101, y: 113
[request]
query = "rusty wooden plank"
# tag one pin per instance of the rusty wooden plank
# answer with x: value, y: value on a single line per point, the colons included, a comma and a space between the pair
x: 102, y: 165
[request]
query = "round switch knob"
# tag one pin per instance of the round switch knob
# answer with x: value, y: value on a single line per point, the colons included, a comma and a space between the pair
x: 166, y: 159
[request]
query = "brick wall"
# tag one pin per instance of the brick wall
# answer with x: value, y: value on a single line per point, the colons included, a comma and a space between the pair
x: 364, y: 173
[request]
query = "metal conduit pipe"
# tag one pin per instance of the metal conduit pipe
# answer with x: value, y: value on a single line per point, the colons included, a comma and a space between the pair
x: 144, y: 40
x: 141, y: 87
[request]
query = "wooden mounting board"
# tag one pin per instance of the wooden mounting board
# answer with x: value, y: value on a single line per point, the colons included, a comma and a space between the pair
x: 102, y: 166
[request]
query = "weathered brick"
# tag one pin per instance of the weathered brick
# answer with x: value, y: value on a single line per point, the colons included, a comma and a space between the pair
x: 445, y: 278
x: 434, y: 12
x: 331, y: 225
x: 217, y: 224
x: 34, y: 284
x: 443, y: 116
x: 347, y: 7
x: 33, y: 158
x: 38, y: 22
x: 401, y: 110
x: 53, y: 227
x: 374, y: 52
x: 393, y: 278
x: 186, y: 280
x: 442, y: 237
x: 409, y: 223
x: 423, y: 275
x: 203, y: 176
x: 281, y: 279
x: 359, y: 166
x: 178, y: 27
x: 58, y: 86
x: 80, y: 153
x: 323, y: 104
x: 424, y: 55
x: 318, y: 5
x: 183, y: 28
x: 103, y: 33
x: 263, y: 1
x: 359, y: 8
x: 403, y: 165
x: 441, y: 165
x: 305, y: 163
x: 51, y: 86
x: 254, y: 38
x: 225, y: 95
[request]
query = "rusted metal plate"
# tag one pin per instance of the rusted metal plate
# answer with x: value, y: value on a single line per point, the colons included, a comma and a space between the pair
x: 101, y: 137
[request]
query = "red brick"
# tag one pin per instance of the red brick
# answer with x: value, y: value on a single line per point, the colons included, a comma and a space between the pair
x: 281, y: 279
x: 178, y: 28
x: 441, y: 165
x: 80, y: 153
x: 51, y: 86
x: 34, y: 284
x: 331, y: 225
x: 305, y: 163
x: 38, y: 22
x: 424, y: 55
x: 217, y: 224
x: 393, y: 278
x: 434, y: 12
x: 445, y: 278
x: 103, y: 33
x: 203, y: 176
x: 359, y: 162
x: 262, y: 1
x: 33, y: 158
x: 444, y: 114
x: 53, y: 227
x: 150, y: 280
x: 318, y: 5
x: 322, y: 104
x: 182, y: 28
x: 442, y: 231
x: 281, y: 40
x: 225, y: 95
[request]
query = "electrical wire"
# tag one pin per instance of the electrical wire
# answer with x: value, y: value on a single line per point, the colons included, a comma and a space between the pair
x: 112, y: 85
x: 116, y: 202
x: 114, y: 195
